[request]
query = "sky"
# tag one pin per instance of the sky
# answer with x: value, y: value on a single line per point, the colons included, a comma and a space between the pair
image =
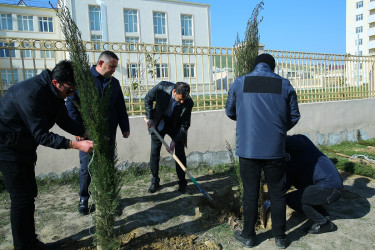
x: 294, y: 25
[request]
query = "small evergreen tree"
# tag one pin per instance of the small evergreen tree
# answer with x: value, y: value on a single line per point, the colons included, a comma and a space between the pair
x: 106, y: 179
x: 246, y: 50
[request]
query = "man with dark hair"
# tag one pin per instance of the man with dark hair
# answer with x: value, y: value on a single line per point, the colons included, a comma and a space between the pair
x: 316, y: 179
x: 264, y: 106
x: 117, y: 116
x: 28, y: 110
x: 171, y: 115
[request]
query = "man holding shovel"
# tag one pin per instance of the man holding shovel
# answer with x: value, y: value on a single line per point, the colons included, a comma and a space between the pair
x: 168, y: 109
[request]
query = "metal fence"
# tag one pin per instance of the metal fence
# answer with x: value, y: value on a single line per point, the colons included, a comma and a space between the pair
x: 209, y: 70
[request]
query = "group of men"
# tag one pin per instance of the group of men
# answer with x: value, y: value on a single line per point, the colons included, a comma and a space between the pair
x: 263, y: 104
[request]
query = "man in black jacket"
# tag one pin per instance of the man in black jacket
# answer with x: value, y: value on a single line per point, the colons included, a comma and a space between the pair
x: 28, y: 110
x: 317, y: 180
x: 117, y: 116
x: 171, y: 115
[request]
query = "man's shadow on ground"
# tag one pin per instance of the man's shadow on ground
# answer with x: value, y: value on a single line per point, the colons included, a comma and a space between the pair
x: 162, y: 212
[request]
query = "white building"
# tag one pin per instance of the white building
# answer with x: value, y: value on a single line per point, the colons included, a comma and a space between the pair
x: 168, y: 22
x: 143, y: 21
x: 360, y: 27
x: 25, y: 22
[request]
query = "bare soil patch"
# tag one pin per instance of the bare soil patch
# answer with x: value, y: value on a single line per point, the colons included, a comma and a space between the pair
x: 170, y: 220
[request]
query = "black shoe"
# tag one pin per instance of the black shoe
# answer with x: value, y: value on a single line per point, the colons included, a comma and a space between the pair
x: 247, y: 242
x: 322, y: 228
x: 38, y: 245
x: 153, y: 188
x: 182, y: 189
x: 83, y: 207
x: 281, y: 242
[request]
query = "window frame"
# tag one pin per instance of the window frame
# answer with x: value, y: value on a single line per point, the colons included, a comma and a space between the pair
x: 189, y: 70
x: 45, y: 21
x: 25, y: 21
x: 162, y: 30
x: 92, y: 18
x: 186, y: 25
x: 134, y: 23
x: 6, y: 19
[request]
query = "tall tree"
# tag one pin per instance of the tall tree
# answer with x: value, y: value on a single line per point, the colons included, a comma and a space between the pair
x: 106, y: 179
x: 246, y: 50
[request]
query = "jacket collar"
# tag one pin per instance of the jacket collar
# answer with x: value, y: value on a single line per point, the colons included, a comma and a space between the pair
x: 262, y: 67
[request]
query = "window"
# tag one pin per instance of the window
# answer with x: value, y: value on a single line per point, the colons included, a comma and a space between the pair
x: 359, y: 41
x: 161, y: 71
x: 96, y: 38
x: 359, y: 29
x: 131, y: 21
x: 5, y: 52
x: 189, y: 70
x: 6, y: 76
x: 359, y: 17
x: 45, y: 24
x: 27, y: 53
x: 6, y: 22
x: 359, y: 4
x: 132, y: 40
x: 95, y: 18
x: 132, y: 70
x: 25, y: 23
x: 187, y: 43
x: 359, y: 53
x: 160, y: 41
x: 159, y: 23
x: 29, y: 73
x: 47, y: 53
x: 186, y: 25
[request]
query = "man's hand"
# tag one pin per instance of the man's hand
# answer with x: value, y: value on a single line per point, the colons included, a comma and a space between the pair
x: 171, y: 147
x: 79, y: 138
x: 149, y: 123
x: 85, y: 146
x: 126, y: 134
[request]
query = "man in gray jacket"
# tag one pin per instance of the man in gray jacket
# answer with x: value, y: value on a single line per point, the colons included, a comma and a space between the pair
x: 264, y: 106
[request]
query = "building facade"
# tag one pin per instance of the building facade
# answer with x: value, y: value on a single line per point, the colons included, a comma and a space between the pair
x: 146, y: 34
x: 360, y: 27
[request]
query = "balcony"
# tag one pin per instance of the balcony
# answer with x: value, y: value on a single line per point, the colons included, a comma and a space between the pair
x: 371, y: 5
x: 371, y: 32
x: 371, y: 45
x: 371, y: 18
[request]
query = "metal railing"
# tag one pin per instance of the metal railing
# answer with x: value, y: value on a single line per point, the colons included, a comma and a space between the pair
x: 209, y: 70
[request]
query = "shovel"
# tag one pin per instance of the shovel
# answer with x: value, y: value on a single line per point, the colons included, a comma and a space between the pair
x: 182, y: 166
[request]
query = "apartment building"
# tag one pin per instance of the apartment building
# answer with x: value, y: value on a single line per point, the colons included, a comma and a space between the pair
x: 36, y: 27
x: 360, y: 27
x: 104, y: 22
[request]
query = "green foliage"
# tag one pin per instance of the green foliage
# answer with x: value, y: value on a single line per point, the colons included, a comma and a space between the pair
x: 337, y: 155
x: 245, y: 51
x: 106, y: 180
x: 236, y: 167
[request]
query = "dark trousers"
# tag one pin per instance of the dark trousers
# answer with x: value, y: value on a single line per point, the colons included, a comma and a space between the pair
x: 309, y: 201
x: 156, y: 145
x: 274, y: 171
x: 84, y: 176
x: 19, y: 179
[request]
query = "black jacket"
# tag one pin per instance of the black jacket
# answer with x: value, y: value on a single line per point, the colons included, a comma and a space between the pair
x: 28, y: 110
x: 161, y: 95
x: 117, y: 115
